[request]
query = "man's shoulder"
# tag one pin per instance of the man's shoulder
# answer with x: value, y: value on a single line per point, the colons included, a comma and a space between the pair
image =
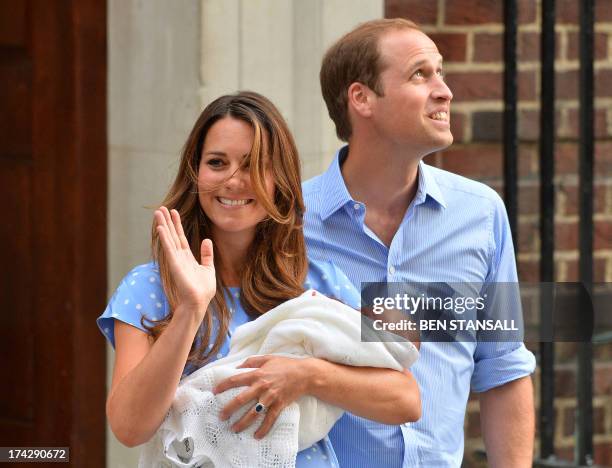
x: 311, y: 187
x: 459, y: 189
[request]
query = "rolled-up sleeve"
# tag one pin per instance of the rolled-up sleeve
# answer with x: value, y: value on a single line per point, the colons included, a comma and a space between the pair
x: 497, y: 363
x: 500, y: 363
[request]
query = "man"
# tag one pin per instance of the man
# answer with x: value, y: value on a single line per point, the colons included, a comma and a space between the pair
x: 381, y: 214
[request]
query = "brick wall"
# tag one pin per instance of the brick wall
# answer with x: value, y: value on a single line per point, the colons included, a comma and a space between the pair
x: 469, y: 34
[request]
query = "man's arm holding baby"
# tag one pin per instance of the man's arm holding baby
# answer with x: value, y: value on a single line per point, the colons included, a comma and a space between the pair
x: 384, y: 395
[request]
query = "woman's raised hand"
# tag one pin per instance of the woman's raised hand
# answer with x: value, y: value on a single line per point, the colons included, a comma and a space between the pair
x: 195, y: 282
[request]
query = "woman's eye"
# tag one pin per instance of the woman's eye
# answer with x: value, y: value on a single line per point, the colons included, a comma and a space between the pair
x: 215, y: 162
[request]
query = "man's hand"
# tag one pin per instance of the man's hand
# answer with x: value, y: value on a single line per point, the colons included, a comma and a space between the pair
x: 508, y: 424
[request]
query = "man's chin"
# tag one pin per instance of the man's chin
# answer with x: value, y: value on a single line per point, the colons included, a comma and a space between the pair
x: 443, y: 142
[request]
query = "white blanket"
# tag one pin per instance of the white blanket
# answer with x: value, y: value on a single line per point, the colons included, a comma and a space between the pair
x: 310, y: 325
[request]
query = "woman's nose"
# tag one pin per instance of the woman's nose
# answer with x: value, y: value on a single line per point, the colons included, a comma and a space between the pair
x: 239, y: 179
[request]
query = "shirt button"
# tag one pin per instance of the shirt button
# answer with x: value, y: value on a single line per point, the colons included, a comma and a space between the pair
x: 356, y: 206
x: 391, y: 270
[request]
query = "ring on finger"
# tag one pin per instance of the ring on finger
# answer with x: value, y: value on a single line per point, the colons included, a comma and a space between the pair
x: 260, y: 408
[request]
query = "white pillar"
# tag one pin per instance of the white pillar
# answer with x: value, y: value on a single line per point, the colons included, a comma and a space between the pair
x: 275, y: 47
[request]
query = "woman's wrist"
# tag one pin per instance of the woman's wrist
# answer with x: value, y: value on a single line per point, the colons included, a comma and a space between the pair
x: 189, y: 315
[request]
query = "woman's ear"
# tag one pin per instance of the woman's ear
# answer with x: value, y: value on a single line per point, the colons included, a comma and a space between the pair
x: 360, y: 99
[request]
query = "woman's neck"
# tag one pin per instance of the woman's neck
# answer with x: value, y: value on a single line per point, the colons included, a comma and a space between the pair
x: 232, y: 251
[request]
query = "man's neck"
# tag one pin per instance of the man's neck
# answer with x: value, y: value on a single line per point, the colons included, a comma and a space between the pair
x: 386, y: 181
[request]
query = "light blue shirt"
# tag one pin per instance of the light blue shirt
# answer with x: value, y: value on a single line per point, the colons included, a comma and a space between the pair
x: 455, y: 230
x: 140, y: 294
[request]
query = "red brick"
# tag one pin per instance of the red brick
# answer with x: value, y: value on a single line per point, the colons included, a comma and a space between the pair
x: 603, y: 78
x: 565, y: 453
x: 527, y: 236
x: 603, y: 352
x: 419, y: 11
x: 529, y: 200
x: 457, y: 123
x: 476, y: 161
x: 602, y: 379
x: 566, y: 84
x: 566, y: 158
x: 528, y: 46
x: 573, y: 46
x: 468, y: 86
x: 602, y: 237
x: 433, y: 159
x: 569, y: 421
x: 571, y: 198
x: 452, y: 46
x: 526, y: 11
x: 476, y: 86
x: 565, y: 352
x: 488, y: 47
x: 603, y: 10
x: 603, y: 158
x: 573, y: 118
x: 527, y: 85
x: 528, y: 161
x: 566, y: 236
x: 602, y: 453
x: 567, y: 11
x: 529, y: 125
x: 528, y: 270
x: 487, y: 126
x: 599, y: 270
x: 565, y: 382
x: 472, y: 12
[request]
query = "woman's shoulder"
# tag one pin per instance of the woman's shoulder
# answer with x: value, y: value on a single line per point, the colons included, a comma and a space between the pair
x: 139, y: 294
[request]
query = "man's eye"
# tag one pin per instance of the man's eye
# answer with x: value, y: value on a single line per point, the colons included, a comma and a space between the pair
x: 441, y: 73
x: 419, y: 74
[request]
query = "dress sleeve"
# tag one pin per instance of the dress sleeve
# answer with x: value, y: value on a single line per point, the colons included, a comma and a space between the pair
x: 140, y: 294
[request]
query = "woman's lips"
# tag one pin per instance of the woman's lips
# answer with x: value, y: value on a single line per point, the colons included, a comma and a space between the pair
x: 234, y: 202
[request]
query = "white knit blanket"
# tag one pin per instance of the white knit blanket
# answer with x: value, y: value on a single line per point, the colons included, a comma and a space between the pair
x: 310, y: 325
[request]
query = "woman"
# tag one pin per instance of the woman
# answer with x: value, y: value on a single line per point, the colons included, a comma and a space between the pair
x: 229, y: 249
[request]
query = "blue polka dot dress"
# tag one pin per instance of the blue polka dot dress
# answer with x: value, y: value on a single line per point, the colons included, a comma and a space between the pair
x: 140, y: 294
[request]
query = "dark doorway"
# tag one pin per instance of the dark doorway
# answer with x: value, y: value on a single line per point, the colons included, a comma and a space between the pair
x: 53, y: 232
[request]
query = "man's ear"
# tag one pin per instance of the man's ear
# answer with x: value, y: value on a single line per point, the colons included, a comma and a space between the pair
x: 360, y: 99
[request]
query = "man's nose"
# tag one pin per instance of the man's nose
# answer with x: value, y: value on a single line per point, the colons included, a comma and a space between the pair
x: 442, y: 91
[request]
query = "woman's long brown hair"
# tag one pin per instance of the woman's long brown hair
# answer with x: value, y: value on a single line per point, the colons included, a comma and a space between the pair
x: 276, y: 264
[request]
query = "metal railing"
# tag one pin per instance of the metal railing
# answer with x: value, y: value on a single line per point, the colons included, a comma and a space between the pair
x: 546, y: 419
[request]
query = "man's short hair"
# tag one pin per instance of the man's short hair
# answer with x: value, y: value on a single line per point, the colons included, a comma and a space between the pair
x: 354, y: 58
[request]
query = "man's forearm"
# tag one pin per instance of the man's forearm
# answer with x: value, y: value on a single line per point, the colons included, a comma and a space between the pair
x: 382, y: 395
x: 508, y: 424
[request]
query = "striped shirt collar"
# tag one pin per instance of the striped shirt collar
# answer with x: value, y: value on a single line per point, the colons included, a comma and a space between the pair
x: 333, y: 187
